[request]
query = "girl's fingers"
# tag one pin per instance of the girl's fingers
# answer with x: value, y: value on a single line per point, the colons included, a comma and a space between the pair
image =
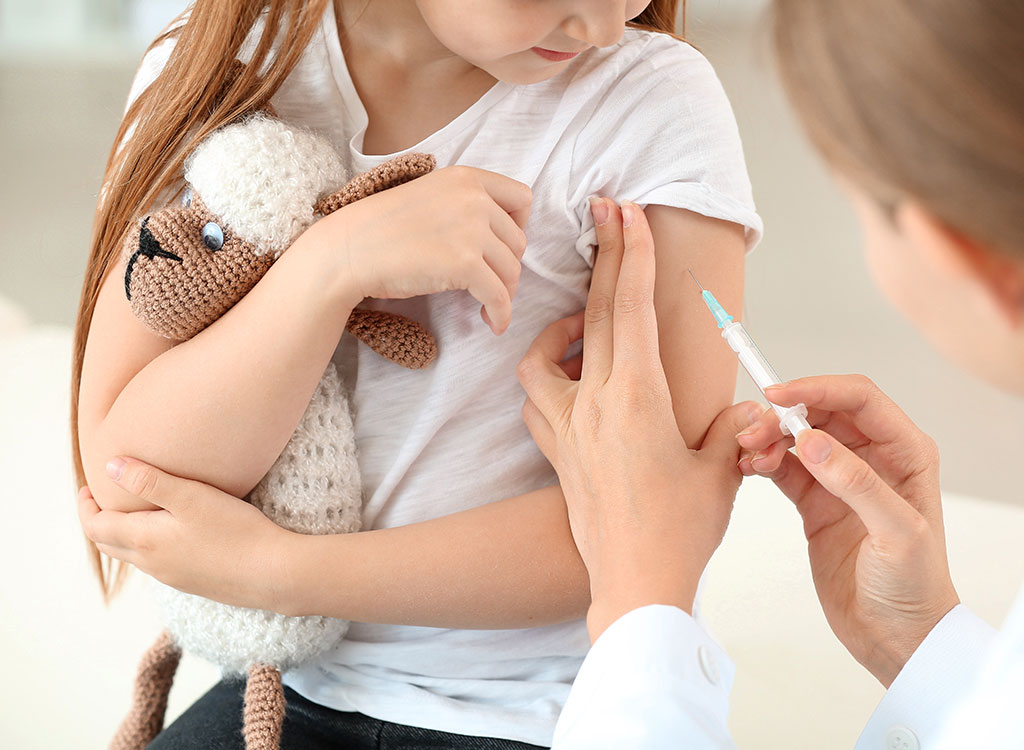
x: 491, y: 292
x: 512, y: 196
x: 874, y: 413
x: 508, y: 232
x: 540, y: 372
x: 852, y: 480
x: 111, y: 528
x: 597, y: 335
x: 505, y: 266
x: 151, y: 484
x: 634, y: 325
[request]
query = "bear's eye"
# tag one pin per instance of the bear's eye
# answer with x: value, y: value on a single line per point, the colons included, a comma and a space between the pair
x: 213, y: 236
x: 186, y: 198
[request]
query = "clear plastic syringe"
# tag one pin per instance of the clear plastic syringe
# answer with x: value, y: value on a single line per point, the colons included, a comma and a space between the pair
x: 792, y: 419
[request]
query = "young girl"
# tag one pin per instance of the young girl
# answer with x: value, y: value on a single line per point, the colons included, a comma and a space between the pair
x: 556, y: 95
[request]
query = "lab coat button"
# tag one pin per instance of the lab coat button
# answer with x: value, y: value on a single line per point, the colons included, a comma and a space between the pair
x: 901, y: 738
x: 708, y: 665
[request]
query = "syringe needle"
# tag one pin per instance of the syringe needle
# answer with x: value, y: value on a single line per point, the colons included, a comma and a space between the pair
x: 694, y: 278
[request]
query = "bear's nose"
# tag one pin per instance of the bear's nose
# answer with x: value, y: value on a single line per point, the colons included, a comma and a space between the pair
x: 150, y: 248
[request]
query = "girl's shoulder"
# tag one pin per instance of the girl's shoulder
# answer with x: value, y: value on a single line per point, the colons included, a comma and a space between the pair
x: 648, y: 59
x: 647, y: 75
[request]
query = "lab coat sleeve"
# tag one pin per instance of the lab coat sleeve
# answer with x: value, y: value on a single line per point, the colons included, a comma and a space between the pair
x: 938, y: 676
x: 654, y: 679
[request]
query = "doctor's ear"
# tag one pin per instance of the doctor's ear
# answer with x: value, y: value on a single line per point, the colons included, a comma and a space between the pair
x: 999, y: 275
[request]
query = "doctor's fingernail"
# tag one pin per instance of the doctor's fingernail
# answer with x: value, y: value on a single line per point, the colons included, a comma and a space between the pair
x: 813, y: 447
x: 115, y: 467
x: 776, y: 387
x: 599, y: 208
x: 629, y: 210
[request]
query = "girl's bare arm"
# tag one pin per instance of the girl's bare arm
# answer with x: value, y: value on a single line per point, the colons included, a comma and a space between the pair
x: 513, y: 563
x: 221, y: 406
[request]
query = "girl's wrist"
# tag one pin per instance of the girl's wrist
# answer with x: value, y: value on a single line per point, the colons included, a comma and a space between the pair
x: 337, y: 274
x: 290, y: 573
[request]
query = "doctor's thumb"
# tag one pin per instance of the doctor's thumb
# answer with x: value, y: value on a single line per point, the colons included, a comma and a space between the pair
x: 850, y: 478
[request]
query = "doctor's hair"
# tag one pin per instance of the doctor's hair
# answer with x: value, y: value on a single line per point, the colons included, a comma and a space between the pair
x: 196, y: 92
x: 916, y: 99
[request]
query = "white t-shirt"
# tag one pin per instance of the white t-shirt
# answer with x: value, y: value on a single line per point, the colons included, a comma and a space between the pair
x: 645, y: 119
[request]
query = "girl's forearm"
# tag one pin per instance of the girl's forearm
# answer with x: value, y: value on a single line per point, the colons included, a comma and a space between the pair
x: 508, y: 564
x: 221, y: 406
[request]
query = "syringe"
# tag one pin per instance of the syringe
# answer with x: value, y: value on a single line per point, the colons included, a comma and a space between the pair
x: 792, y: 419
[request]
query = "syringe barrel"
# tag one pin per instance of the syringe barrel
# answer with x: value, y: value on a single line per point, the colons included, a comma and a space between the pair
x: 762, y: 373
x: 792, y: 419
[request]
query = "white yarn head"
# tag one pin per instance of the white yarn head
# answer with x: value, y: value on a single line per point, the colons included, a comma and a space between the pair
x: 261, y: 177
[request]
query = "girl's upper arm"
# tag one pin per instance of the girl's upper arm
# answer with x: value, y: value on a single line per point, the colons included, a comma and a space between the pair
x: 700, y: 367
x: 118, y: 347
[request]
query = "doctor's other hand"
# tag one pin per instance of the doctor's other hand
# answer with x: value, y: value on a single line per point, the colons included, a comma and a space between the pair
x: 199, y: 540
x: 645, y: 511
x: 866, y: 483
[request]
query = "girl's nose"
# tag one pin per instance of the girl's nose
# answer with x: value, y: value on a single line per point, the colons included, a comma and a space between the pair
x: 598, y: 23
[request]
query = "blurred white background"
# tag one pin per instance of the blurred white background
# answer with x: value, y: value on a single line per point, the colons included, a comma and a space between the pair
x: 65, y: 69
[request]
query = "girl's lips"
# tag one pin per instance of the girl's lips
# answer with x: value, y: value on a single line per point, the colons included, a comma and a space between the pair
x: 553, y: 56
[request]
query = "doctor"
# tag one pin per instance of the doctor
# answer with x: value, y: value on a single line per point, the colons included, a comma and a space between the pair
x: 919, y: 107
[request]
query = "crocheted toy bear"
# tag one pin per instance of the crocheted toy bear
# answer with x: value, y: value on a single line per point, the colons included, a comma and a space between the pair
x: 253, y: 187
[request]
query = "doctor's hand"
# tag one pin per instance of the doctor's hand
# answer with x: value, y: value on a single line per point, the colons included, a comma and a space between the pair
x: 200, y: 540
x: 645, y: 511
x: 866, y: 483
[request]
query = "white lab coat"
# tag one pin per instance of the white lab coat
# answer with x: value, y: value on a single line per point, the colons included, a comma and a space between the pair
x: 655, y: 680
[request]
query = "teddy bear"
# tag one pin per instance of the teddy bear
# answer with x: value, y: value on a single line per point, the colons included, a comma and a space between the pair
x: 252, y: 187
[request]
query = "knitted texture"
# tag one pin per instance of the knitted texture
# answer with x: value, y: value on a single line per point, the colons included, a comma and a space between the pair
x: 314, y: 487
x: 264, y: 708
x: 390, y: 174
x: 262, y: 177
x: 393, y: 337
x: 254, y: 187
x: 189, y: 287
x: 149, y: 699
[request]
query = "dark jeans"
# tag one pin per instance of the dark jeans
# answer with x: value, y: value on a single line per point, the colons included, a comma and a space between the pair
x: 214, y: 722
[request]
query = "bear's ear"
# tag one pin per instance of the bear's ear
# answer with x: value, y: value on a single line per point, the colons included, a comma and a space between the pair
x: 390, y: 174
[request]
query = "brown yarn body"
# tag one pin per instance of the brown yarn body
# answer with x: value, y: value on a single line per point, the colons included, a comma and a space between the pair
x: 149, y: 699
x: 177, y: 287
x: 264, y: 708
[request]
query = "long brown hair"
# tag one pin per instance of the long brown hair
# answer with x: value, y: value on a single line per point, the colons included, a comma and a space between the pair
x: 920, y: 99
x: 193, y: 95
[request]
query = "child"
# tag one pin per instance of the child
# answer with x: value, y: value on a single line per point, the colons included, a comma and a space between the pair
x: 557, y: 96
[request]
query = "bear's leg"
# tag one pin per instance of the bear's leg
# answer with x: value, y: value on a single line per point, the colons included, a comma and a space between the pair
x: 264, y: 708
x: 149, y: 701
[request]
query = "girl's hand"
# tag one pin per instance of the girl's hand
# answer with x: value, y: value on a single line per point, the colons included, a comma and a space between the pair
x: 201, y: 540
x: 867, y: 486
x: 456, y: 228
x: 646, y: 513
